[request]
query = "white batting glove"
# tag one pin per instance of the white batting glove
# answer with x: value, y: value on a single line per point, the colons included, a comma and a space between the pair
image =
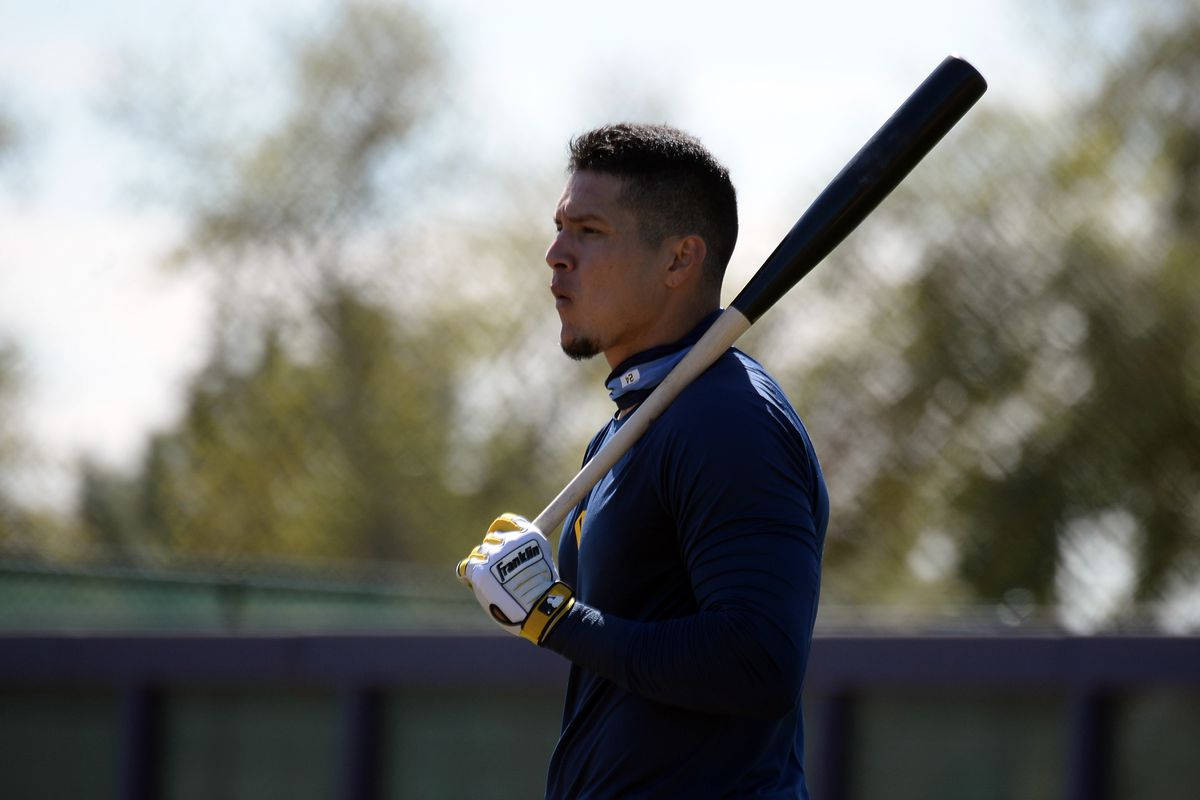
x: 515, y: 580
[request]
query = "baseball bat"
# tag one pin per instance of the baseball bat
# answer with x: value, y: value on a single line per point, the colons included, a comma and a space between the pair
x: 923, y: 119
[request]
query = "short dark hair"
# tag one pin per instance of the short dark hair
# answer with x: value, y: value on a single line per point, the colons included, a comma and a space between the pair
x: 672, y: 183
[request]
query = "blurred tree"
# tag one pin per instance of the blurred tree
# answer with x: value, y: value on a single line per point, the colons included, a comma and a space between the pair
x: 11, y: 449
x: 273, y: 206
x: 9, y: 446
x: 352, y: 406
x: 27, y: 531
x: 10, y: 134
x: 1023, y: 394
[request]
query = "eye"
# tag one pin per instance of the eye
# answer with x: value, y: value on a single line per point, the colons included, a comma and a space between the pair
x: 590, y: 230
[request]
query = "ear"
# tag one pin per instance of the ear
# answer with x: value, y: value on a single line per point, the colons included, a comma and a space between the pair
x: 687, y: 264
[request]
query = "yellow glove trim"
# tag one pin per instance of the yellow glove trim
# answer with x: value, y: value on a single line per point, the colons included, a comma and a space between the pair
x: 506, y: 523
x: 547, y: 611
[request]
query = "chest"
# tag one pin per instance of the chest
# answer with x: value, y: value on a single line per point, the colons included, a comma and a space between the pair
x: 626, y: 549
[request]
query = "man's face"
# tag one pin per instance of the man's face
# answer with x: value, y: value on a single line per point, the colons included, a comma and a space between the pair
x: 607, y: 282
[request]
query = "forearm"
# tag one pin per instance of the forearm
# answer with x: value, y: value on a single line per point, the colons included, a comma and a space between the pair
x: 716, y: 661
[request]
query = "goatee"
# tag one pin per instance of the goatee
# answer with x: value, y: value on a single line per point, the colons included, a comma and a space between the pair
x: 581, y: 348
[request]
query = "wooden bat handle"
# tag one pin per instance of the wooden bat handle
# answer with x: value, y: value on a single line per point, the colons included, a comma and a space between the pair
x: 715, y: 341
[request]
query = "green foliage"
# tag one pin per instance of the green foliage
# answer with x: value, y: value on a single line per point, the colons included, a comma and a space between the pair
x: 9, y: 135
x: 26, y: 531
x: 317, y: 459
x: 346, y: 454
x: 359, y: 89
x: 1023, y: 381
x: 1031, y: 387
x: 356, y: 405
x: 9, y: 444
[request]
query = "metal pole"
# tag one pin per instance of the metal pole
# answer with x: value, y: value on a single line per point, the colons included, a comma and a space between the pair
x: 1090, y: 746
x: 360, y: 743
x: 138, y: 743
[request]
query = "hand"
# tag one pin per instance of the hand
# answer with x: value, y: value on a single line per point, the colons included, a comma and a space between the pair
x: 515, y: 580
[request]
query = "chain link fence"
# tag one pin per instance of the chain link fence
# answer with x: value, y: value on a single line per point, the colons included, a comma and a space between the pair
x: 1003, y: 382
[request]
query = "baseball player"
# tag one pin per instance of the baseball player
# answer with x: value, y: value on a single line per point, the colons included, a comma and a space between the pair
x: 686, y: 582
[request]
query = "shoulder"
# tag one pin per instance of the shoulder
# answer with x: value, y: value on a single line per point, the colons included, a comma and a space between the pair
x: 597, y: 439
x: 735, y: 415
x: 733, y: 447
x: 736, y: 392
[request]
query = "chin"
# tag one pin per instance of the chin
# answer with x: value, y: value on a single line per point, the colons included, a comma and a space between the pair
x: 579, y: 347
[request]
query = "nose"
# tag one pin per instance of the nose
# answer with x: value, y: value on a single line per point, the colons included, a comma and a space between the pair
x: 557, y: 257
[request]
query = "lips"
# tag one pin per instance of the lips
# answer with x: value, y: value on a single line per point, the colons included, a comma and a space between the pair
x: 561, y: 298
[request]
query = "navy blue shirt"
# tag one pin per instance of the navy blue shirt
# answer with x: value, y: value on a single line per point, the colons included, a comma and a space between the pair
x: 696, y: 567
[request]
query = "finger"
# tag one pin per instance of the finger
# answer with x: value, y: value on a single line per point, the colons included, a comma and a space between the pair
x: 508, y: 523
x: 477, y: 554
x: 500, y: 616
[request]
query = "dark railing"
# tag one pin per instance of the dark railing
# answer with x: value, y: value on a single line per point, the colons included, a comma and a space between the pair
x: 1086, y: 671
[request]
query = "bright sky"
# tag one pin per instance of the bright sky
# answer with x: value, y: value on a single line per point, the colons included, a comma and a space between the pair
x: 784, y: 93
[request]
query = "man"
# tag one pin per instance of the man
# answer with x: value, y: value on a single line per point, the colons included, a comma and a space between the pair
x: 687, y: 581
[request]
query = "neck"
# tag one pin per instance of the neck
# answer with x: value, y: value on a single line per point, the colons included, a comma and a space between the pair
x: 669, y: 328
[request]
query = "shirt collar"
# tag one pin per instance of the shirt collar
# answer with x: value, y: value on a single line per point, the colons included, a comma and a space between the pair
x: 633, y: 379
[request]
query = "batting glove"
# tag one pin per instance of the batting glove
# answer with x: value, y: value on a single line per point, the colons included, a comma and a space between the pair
x: 514, y: 579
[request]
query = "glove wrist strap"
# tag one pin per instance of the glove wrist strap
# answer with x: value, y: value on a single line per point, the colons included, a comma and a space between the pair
x: 551, y: 607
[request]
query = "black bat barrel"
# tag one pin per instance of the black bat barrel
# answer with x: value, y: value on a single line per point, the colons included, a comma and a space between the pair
x: 924, y: 118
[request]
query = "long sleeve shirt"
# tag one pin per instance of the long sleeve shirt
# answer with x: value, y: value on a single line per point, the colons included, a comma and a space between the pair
x: 696, y: 567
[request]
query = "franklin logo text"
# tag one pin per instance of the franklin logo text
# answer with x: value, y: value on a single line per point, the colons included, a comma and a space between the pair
x: 513, y: 563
